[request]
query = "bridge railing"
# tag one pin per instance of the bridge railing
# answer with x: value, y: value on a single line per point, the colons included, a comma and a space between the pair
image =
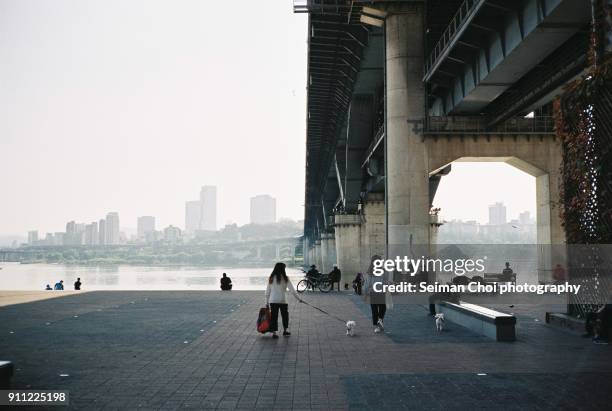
x: 465, y: 13
x: 476, y: 124
x: 305, y: 6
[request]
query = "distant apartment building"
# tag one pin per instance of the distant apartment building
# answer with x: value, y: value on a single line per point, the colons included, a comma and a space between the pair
x: 201, y: 215
x: 74, y: 233
x: 91, y: 234
x: 112, y: 235
x: 525, y: 218
x: 263, y: 209
x: 172, y: 234
x: 102, y: 232
x: 208, y: 216
x: 193, y: 210
x: 58, y: 238
x: 32, y: 237
x: 497, y: 214
x: 145, y: 226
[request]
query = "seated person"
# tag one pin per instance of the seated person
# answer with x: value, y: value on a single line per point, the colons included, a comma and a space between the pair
x: 335, y: 275
x: 507, y: 272
x: 598, y: 324
x: 313, y: 272
x: 226, y: 283
x: 59, y: 286
x: 48, y: 287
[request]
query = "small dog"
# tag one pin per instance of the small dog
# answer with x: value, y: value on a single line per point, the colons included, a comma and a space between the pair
x: 350, y: 328
x: 439, y: 322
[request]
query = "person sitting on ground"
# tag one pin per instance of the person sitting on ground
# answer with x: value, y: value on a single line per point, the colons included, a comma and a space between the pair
x: 334, y: 276
x: 48, y: 287
x: 598, y: 324
x: 358, y: 283
x: 77, y: 284
x: 59, y: 285
x: 226, y: 283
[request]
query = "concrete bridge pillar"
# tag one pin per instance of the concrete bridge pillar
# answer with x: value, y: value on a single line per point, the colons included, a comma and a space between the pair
x: 305, y: 251
x: 407, y: 159
x: 328, y: 255
x: 373, y: 227
x: 348, y: 246
x: 317, y: 254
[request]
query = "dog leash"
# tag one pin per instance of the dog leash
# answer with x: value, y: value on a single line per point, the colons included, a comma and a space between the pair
x: 324, y: 312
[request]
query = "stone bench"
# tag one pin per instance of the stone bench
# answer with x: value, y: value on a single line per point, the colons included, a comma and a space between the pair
x: 490, y: 323
x: 6, y: 373
x: 499, y: 278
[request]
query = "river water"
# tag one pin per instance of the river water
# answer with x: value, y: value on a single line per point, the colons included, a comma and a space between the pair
x: 15, y: 276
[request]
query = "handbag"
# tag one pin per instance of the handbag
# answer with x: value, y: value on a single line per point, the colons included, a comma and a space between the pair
x: 263, y: 320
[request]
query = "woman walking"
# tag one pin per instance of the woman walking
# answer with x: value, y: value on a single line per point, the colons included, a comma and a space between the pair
x: 377, y: 301
x: 276, y: 299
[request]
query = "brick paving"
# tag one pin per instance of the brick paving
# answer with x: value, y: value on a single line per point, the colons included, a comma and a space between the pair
x: 200, y: 350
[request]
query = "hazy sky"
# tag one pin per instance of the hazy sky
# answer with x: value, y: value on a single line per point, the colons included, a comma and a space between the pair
x: 133, y: 105
x: 470, y: 188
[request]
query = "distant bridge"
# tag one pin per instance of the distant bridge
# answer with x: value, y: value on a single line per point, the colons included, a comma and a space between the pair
x: 256, y: 251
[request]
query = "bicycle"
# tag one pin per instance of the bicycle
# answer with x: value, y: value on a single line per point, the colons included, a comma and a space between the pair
x: 323, y: 283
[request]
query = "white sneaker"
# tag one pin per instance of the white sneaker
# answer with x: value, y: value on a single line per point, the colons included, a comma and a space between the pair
x: 381, y: 325
x: 376, y: 329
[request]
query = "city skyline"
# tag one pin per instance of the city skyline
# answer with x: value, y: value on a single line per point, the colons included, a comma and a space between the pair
x: 200, y: 215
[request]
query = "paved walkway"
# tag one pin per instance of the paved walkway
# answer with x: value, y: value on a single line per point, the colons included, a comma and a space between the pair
x: 173, y: 349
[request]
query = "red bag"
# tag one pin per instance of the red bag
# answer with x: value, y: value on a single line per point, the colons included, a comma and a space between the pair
x: 263, y: 320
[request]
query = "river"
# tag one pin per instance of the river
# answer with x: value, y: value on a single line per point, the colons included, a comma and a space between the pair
x: 15, y: 276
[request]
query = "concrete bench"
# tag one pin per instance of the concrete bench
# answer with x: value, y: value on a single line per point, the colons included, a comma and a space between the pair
x: 566, y: 322
x: 490, y: 323
x: 499, y: 278
x: 6, y: 373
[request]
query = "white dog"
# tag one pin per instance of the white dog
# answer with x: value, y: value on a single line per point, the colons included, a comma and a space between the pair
x: 350, y: 328
x: 439, y: 322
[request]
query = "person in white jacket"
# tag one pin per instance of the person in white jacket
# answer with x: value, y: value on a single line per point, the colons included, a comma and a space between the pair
x: 276, y: 298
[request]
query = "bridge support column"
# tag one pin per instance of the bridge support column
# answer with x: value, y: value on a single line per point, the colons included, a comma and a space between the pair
x: 550, y: 231
x: 348, y: 246
x: 317, y: 254
x: 328, y: 252
x: 305, y: 251
x: 373, y: 227
x: 407, y: 160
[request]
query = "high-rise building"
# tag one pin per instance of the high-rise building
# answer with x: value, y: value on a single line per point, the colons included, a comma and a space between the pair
x: 193, y: 210
x: 525, y: 218
x: 58, y: 238
x: 74, y: 233
x: 263, y: 209
x: 172, y: 234
x: 497, y: 214
x: 32, y: 236
x: 112, y: 228
x: 145, y: 225
x: 208, y: 215
x: 91, y: 234
x: 102, y: 232
x: 70, y: 227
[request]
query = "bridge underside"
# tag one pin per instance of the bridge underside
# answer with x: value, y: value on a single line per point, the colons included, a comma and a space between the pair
x: 397, y: 91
